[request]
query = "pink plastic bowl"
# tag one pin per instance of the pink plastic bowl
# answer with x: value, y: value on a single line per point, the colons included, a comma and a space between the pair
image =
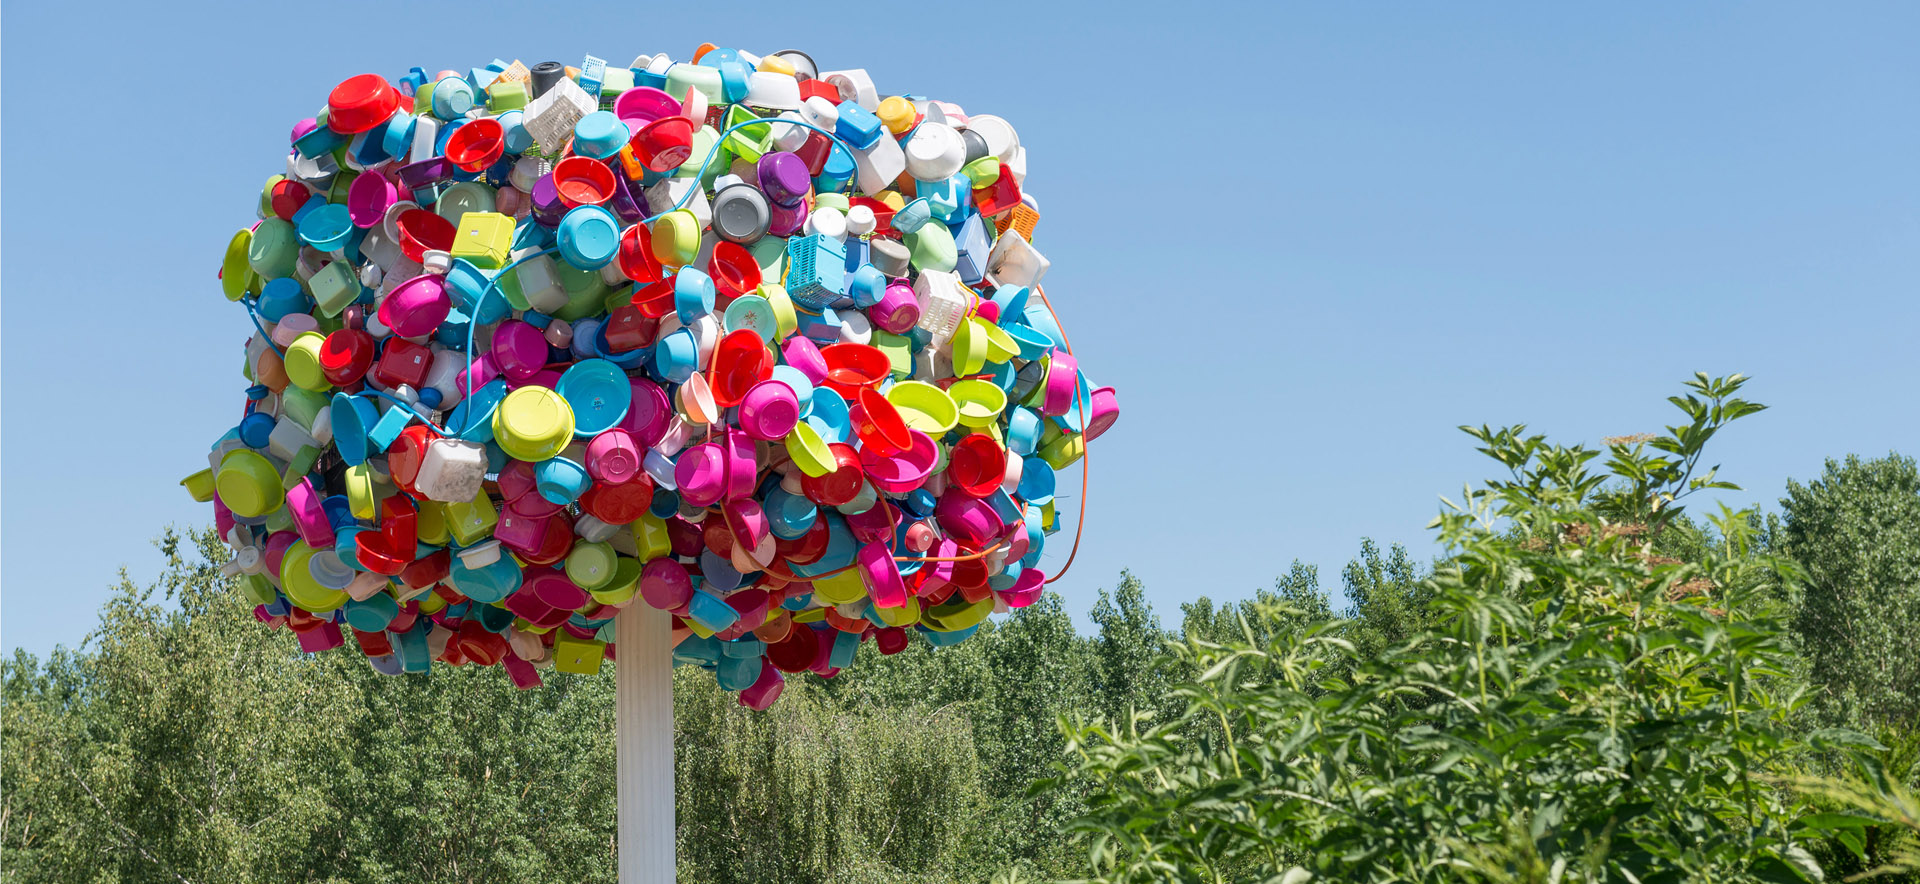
x: 970, y: 521
x: 701, y: 474
x: 769, y: 410
x: 905, y: 471
x: 417, y: 307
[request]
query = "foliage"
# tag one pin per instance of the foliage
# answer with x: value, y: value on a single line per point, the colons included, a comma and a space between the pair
x: 1579, y: 708
x: 1126, y: 669
x: 1856, y: 531
x: 1871, y: 813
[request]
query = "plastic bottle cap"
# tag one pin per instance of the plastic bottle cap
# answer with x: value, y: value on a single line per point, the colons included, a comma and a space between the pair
x: 903, y: 393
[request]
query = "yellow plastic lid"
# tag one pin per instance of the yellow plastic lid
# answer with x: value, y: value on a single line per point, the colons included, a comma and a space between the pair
x: 591, y: 565
x: 296, y: 580
x: 840, y: 588
x: 533, y: 423
x: 303, y: 362
x: 905, y: 615
x: 248, y: 484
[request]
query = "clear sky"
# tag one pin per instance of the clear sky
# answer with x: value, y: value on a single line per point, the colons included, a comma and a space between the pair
x: 1305, y: 241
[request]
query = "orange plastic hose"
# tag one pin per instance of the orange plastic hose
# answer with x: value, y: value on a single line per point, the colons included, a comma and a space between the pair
x: 1081, y: 526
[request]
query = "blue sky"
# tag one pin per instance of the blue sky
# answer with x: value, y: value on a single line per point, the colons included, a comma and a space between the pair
x: 1304, y: 241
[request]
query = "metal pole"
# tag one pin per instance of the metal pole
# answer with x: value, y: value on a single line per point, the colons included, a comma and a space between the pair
x: 644, y: 743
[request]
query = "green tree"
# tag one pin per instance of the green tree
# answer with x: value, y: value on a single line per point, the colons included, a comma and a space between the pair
x: 186, y: 742
x: 1592, y: 713
x: 1856, y: 532
x: 163, y: 754
x: 1389, y: 600
x: 1127, y: 676
x: 1297, y: 590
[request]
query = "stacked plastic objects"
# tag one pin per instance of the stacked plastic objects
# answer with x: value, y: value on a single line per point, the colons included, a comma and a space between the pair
x: 735, y: 338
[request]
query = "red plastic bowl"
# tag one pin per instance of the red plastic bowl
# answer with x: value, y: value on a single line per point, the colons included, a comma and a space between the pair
x: 733, y: 269
x: 976, y: 466
x: 636, y: 256
x: 361, y: 103
x: 879, y: 425
x: 796, y: 652
x: 739, y: 361
x: 665, y: 143
x: 582, y: 181
x: 839, y: 486
x: 477, y: 145
x: 422, y: 231
x: 851, y: 367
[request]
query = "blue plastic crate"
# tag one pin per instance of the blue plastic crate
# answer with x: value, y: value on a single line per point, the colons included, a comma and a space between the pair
x: 816, y: 271
x: 972, y: 247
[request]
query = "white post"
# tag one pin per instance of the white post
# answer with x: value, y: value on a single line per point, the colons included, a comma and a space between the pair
x: 644, y: 743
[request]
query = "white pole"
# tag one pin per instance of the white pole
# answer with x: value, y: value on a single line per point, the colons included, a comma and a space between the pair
x: 644, y: 743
